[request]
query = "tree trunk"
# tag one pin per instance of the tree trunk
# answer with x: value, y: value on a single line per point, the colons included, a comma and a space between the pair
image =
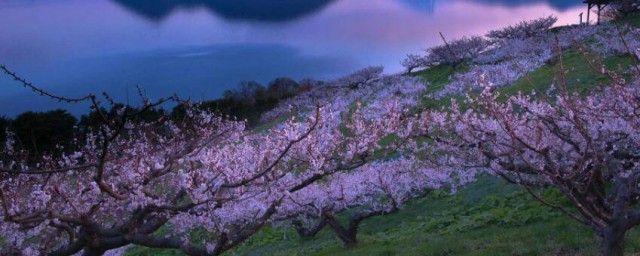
x: 306, y: 233
x: 92, y: 252
x: 613, y: 237
x: 588, y: 13
x: 348, y: 236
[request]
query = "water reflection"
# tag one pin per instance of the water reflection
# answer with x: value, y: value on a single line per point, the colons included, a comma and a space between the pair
x: 252, y: 10
x: 429, y: 6
x: 73, y: 47
x: 289, y: 10
x: 560, y: 5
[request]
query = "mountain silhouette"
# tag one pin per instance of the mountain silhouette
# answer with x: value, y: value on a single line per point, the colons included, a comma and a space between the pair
x: 429, y: 5
x: 237, y: 10
x: 560, y: 5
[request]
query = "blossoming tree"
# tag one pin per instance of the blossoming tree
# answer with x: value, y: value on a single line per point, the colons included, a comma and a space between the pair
x: 587, y: 147
x: 130, y: 179
x: 376, y: 189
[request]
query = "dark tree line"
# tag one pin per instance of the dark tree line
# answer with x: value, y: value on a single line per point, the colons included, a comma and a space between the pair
x: 250, y: 99
x: 41, y: 132
x: 57, y: 131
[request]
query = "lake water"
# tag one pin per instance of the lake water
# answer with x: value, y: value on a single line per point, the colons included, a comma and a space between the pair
x: 199, y: 48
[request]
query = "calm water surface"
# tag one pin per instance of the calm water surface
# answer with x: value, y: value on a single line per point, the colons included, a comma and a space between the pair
x: 199, y: 48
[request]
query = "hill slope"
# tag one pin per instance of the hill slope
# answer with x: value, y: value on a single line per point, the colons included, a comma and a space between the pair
x: 488, y: 217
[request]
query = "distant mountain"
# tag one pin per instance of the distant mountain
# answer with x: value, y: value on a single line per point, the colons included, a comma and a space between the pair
x: 429, y: 5
x: 560, y: 5
x: 241, y: 10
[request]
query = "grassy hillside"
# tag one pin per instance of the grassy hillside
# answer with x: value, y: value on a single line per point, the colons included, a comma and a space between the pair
x: 488, y: 217
x: 580, y: 78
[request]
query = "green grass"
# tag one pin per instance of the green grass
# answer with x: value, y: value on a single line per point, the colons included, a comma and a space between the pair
x: 268, y: 125
x: 581, y: 78
x: 489, y: 217
x: 436, y: 77
x: 632, y: 20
